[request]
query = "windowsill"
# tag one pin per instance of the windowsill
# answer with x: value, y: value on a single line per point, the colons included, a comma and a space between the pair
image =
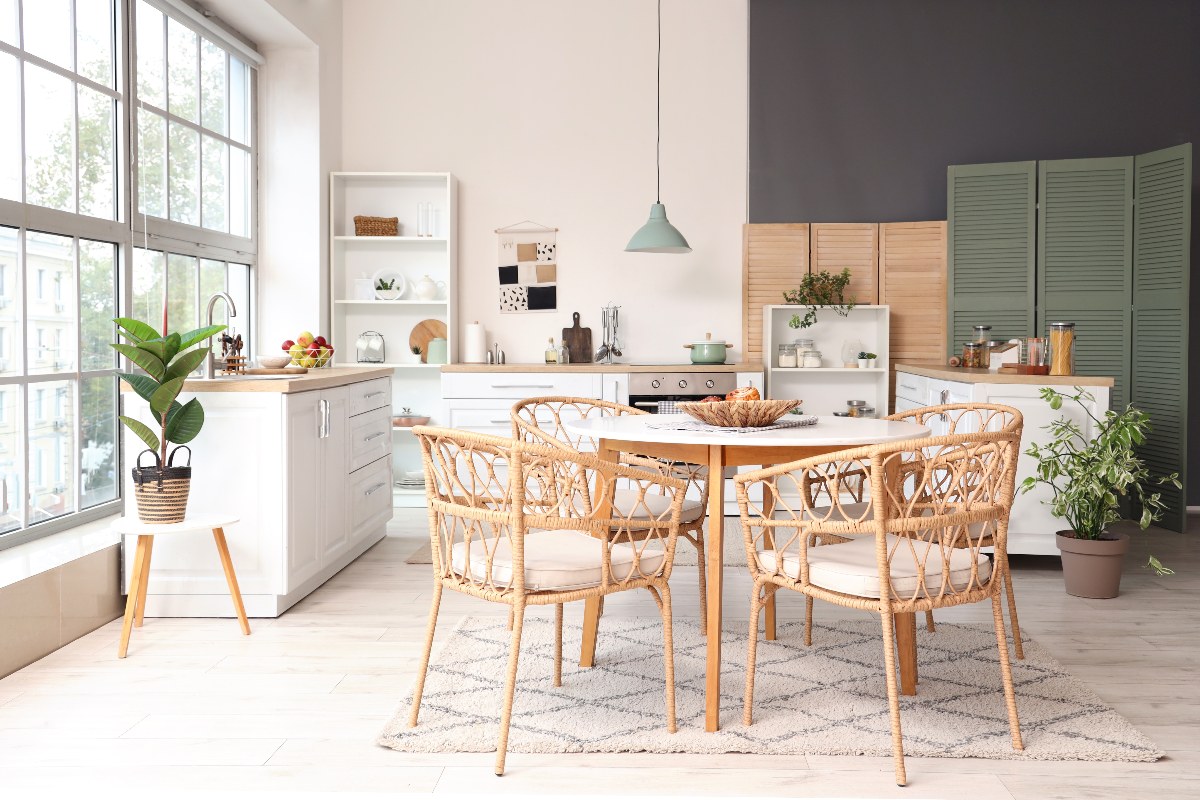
x: 32, y: 558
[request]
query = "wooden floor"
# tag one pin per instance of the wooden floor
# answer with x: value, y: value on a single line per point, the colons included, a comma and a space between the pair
x: 296, y: 706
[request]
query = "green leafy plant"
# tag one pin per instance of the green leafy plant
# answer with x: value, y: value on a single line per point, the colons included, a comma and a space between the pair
x: 416, y: 349
x: 167, y: 362
x: 865, y: 354
x: 385, y: 286
x: 1089, y: 477
x: 819, y: 290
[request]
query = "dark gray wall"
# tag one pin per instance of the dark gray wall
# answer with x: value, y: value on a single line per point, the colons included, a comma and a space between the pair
x: 858, y: 106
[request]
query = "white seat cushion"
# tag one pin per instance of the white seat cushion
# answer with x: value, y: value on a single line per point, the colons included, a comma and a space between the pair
x: 625, y: 502
x: 554, y: 561
x: 852, y: 567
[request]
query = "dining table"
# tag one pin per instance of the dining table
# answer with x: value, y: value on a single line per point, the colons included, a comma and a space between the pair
x: 661, y: 436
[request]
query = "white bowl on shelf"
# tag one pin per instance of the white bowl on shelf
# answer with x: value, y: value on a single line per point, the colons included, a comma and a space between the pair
x: 398, y: 287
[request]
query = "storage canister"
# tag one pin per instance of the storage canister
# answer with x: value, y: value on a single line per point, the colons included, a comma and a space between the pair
x: 856, y: 408
x: 973, y: 354
x: 787, y: 356
x: 1062, y: 348
x: 812, y: 359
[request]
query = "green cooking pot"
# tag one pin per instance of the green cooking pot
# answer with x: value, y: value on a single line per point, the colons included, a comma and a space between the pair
x: 708, y: 351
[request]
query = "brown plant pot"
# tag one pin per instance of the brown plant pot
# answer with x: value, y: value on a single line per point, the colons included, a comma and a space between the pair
x: 1092, y: 567
x: 162, y: 492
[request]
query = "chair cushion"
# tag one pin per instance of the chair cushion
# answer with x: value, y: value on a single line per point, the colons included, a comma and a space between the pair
x: 852, y: 567
x: 554, y: 560
x: 625, y: 502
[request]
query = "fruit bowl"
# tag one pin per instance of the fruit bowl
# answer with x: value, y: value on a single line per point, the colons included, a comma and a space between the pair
x: 739, y: 413
x: 308, y: 351
x: 273, y: 362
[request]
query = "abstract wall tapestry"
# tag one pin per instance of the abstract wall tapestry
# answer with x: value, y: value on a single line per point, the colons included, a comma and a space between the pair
x: 527, y: 255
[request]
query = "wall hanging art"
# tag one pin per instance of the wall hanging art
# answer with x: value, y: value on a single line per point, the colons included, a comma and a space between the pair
x: 527, y: 254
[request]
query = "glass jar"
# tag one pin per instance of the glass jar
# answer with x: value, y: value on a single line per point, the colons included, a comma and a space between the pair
x: 812, y: 359
x: 1062, y: 348
x: 973, y: 355
x: 803, y: 344
x: 787, y: 356
x: 982, y: 333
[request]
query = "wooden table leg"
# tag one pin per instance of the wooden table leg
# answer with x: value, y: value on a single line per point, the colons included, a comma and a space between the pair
x: 231, y: 579
x: 716, y: 558
x: 131, y: 600
x: 592, y: 606
x: 140, y: 612
x: 769, y: 542
x: 906, y: 645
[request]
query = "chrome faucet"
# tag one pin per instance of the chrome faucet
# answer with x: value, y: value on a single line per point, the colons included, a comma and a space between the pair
x: 210, y: 365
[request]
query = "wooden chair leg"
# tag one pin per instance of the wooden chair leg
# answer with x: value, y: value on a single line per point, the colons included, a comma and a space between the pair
x: 591, y: 621
x: 142, y: 583
x: 906, y: 641
x: 231, y: 579
x: 700, y: 566
x: 929, y: 624
x: 510, y: 688
x: 558, y: 625
x: 419, y: 689
x: 889, y: 664
x: 1010, y: 700
x: 808, y: 614
x: 1012, y: 615
x: 668, y: 656
x: 751, y: 656
x: 131, y: 600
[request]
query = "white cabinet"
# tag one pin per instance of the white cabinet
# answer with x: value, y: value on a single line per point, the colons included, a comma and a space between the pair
x: 482, y: 401
x: 316, y: 451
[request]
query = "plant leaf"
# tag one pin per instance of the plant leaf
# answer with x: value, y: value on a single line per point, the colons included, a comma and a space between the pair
x: 143, y: 432
x: 192, y: 337
x: 144, y: 385
x: 136, y: 330
x: 184, y: 424
x: 155, y: 347
x: 164, y: 396
x: 147, y: 361
x: 186, y: 363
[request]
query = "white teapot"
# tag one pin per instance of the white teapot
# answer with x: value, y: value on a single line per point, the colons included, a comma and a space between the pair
x: 427, y: 288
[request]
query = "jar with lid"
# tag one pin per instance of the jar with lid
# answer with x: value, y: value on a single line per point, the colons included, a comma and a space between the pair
x: 803, y: 344
x: 973, y: 355
x: 982, y: 333
x: 812, y: 359
x: 1062, y: 348
x: 856, y: 408
x: 787, y: 356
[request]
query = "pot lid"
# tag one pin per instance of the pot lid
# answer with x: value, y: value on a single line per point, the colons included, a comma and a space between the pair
x: 707, y: 341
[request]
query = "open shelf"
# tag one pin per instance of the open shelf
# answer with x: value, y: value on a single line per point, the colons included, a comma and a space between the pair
x: 828, y: 369
x: 392, y: 302
x: 382, y: 239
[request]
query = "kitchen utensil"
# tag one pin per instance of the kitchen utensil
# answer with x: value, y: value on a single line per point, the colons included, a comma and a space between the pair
x: 427, y: 288
x: 578, y: 341
x: 738, y: 413
x: 435, y: 351
x: 273, y: 362
x: 423, y: 332
x: 388, y: 275
x: 708, y: 351
x: 370, y: 348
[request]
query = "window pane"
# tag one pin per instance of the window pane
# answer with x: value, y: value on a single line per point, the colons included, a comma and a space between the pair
x: 148, y: 287
x: 48, y: 30
x: 49, y: 139
x: 182, y: 71
x: 50, y: 302
x: 184, y: 184
x: 238, y: 281
x: 98, y: 441
x: 239, y: 192
x: 97, y: 304
x: 10, y: 135
x: 94, y: 40
x: 212, y: 86
x: 51, y: 449
x: 239, y: 100
x: 8, y: 22
x: 152, y: 163
x: 151, y: 73
x: 10, y: 304
x: 97, y: 154
x: 12, y: 462
x: 181, y: 293
x: 216, y: 193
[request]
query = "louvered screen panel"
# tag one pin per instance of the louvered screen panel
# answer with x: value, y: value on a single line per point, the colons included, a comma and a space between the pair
x: 1085, y: 258
x: 774, y: 258
x: 1161, y: 263
x: 912, y: 281
x: 990, y: 249
x: 849, y: 245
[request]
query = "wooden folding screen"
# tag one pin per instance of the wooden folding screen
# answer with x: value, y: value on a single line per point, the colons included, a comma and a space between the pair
x: 774, y: 257
x: 854, y: 245
x: 912, y: 281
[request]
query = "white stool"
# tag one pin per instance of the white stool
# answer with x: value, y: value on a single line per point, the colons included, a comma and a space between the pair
x: 135, y: 605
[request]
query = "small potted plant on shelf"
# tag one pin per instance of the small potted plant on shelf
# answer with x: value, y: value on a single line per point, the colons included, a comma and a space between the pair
x: 819, y: 290
x: 866, y: 360
x: 162, y: 490
x: 386, y: 289
x: 1089, y: 478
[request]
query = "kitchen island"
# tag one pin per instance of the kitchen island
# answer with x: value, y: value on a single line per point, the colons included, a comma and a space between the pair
x: 304, y: 462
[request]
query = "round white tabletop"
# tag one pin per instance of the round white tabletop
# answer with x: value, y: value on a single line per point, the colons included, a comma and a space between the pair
x: 828, y: 432
x: 132, y: 526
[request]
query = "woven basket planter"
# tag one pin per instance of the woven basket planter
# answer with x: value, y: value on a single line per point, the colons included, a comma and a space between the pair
x: 162, y: 492
x: 376, y: 226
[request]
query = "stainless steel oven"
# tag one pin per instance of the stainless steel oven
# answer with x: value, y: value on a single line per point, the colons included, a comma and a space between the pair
x: 657, y: 392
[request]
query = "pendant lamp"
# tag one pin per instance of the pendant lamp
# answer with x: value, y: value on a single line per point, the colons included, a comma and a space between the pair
x: 658, y: 235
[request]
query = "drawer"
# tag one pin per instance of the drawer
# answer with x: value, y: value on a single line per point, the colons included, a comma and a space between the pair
x: 369, y: 395
x: 371, y: 494
x: 370, y: 437
x: 912, y: 387
x: 484, y: 416
x: 515, y: 385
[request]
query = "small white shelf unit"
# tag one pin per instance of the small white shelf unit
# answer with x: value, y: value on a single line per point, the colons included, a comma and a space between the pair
x: 826, y: 389
x: 415, y: 385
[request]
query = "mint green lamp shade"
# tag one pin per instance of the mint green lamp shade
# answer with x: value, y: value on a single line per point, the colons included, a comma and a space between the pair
x: 658, y: 235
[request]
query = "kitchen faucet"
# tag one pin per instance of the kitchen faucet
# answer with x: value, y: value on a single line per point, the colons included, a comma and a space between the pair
x: 210, y: 364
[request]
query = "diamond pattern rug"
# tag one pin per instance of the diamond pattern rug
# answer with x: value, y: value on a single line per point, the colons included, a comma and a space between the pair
x: 830, y: 699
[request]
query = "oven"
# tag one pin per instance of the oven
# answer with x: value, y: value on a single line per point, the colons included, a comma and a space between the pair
x: 657, y: 392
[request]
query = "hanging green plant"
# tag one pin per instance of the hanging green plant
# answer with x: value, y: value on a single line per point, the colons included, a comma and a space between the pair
x: 819, y: 290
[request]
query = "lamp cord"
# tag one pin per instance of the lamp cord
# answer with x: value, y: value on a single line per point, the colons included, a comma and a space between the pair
x: 658, y: 115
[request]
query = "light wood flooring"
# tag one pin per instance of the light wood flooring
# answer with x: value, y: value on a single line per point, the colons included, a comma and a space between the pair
x: 295, y: 707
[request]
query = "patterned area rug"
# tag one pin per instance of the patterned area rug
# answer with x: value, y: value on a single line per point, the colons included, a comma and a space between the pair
x: 829, y: 699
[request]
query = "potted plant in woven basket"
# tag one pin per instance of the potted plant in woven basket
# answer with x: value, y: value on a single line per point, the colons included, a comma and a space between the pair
x: 1089, y: 479
x: 162, y: 490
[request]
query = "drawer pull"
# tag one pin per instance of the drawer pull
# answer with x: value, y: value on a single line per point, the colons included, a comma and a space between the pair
x: 372, y: 394
x: 374, y: 489
x: 373, y: 436
x: 522, y: 385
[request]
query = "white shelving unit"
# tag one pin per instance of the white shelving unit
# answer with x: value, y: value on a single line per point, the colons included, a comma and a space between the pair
x: 826, y: 389
x: 415, y: 385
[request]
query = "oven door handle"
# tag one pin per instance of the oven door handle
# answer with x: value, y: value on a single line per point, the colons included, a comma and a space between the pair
x: 645, y: 404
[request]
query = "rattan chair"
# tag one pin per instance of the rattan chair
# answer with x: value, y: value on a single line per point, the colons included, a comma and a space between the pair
x: 540, y: 420
x: 526, y: 524
x: 915, y: 545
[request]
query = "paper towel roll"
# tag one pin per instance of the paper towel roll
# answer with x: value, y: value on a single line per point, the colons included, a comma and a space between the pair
x: 474, y: 349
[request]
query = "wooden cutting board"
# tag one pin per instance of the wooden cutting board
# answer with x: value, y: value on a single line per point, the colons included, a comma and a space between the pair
x: 578, y: 341
x: 279, y: 371
x: 423, y: 332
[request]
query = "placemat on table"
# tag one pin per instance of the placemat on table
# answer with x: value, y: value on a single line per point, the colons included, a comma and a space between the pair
x: 796, y: 421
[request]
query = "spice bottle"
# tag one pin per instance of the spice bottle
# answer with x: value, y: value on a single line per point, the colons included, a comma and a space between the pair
x: 551, y: 352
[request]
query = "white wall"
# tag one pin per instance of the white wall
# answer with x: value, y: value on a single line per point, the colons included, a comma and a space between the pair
x: 544, y: 110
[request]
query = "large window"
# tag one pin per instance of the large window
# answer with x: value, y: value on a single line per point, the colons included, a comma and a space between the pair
x: 126, y: 183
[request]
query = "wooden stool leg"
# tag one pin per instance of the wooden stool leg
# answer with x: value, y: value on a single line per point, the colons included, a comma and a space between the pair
x: 231, y: 579
x: 906, y: 641
x: 131, y: 601
x: 140, y: 612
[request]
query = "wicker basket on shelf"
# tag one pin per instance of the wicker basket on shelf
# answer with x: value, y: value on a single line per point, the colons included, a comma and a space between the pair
x: 739, y: 413
x: 376, y: 226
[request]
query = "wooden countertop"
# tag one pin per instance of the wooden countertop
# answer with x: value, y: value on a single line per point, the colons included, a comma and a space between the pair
x: 986, y: 376
x: 314, y: 379
x: 687, y: 367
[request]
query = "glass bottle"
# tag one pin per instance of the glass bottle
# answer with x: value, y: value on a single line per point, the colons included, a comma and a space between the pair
x: 1062, y: 348
x: 551, y: 352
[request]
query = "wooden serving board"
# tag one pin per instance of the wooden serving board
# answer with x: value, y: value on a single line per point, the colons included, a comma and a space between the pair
x: 279, y: 371
x: 578, y: 341
x: 422, y: 333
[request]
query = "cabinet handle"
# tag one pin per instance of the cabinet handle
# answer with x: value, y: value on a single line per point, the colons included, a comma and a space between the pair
x: 374, y: 489
x: 945, y: 396
x: 373, y: 436
x: 522, y: 385
x: 322, y: 424
x: 500, y: 421
x: 372, y: 394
